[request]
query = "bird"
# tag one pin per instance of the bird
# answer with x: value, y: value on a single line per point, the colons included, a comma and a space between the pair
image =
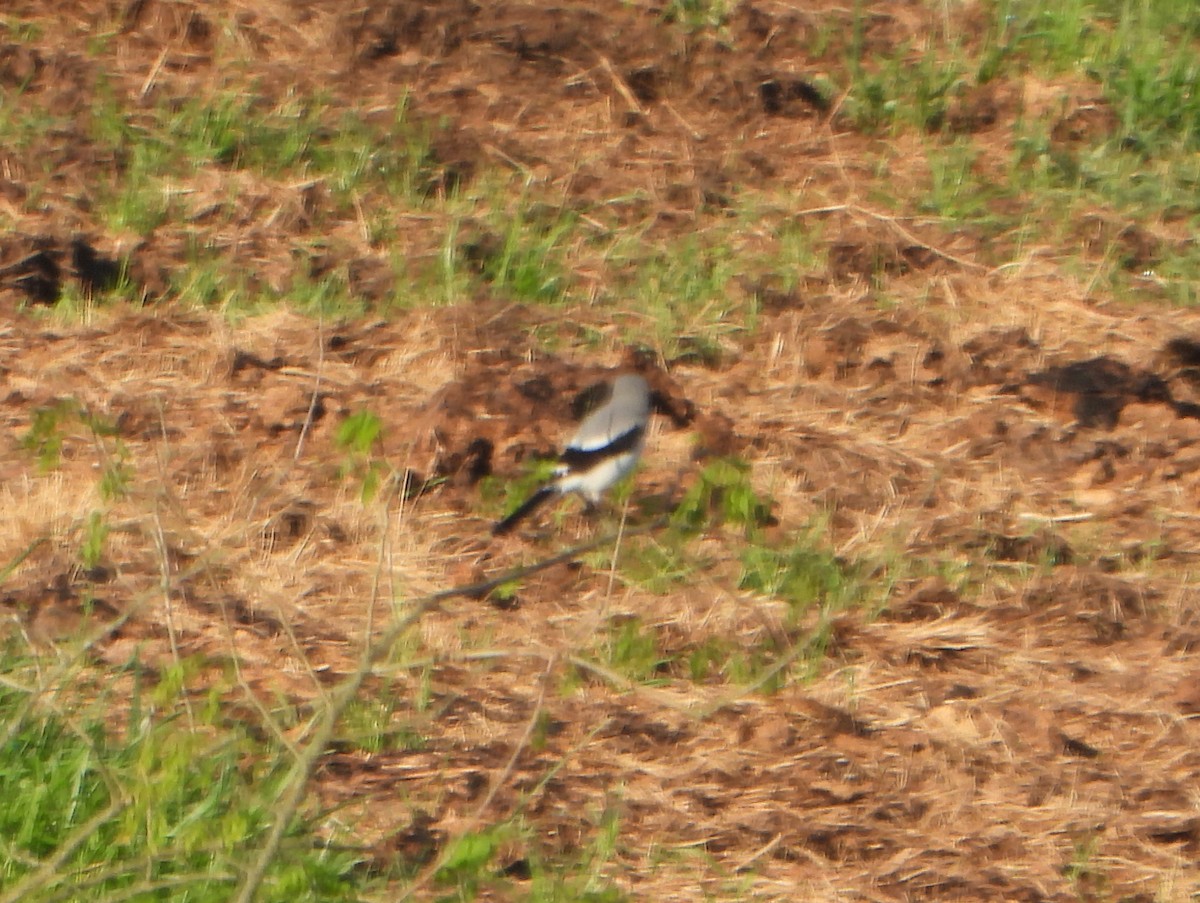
x: 604, y: 449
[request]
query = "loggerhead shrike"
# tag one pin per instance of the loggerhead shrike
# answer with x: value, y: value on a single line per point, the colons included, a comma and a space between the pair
x: 604, y: 448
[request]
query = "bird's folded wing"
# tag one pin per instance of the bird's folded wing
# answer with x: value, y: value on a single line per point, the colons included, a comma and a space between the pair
x: 586, y: 452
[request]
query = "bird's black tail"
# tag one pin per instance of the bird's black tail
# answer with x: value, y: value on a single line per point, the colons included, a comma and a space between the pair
x: 526, y: 508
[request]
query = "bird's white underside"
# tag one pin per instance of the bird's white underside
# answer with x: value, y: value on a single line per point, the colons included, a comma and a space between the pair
x: 592, y: 483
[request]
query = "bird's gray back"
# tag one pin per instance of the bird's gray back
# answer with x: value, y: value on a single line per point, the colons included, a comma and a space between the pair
x: 628, y: 409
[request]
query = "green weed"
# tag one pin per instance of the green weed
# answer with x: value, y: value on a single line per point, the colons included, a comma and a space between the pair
x: 369, y: 725
x: 631, y: 648
x: 799, y: 253
x: 658, y: 564
x: 95, y: 535
x: 956, y: 192
x: 357, y: 437
x: 465, y: 863
x: 526, y: 260
x: 578, y: 879
x: 359, y: 433
x: 21, y: 31
x: 44, y: 438
x: 52, y: 425
x: 683, y: 292
x: 1089, y: 881
x: 696, y: 14
x: 723, y: 494
x: 324, y: 295
x: 899, y: 91
x: 802, y: 575
x: 206, y: 280
x: 137, y: 199
x: 708, y: 658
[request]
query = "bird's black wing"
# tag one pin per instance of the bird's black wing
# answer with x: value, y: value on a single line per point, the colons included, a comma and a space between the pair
x: 579, y: 459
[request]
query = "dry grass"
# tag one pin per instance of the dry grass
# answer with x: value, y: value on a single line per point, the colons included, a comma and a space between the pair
x: 965, y: 743
x: 1005, y: 714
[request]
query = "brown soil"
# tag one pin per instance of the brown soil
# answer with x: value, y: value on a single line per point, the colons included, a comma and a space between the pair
x: 1030, y: 738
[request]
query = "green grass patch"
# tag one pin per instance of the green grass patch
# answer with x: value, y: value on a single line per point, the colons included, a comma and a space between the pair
x: 682, y: 296
x: 802, y: 575
x: 898, y: 93
x: 696, y: 15
x: 206, y: 280
x: 304, y: 138
x: 105, y: 802
x: 957, y: 191
x: 523, y: 254
x: 658, y: 563
x: 1139, y: 56
x: 358, y: 438
x: 631, y: 648
x: 369, y: 725
x: 723, y: 494
x: 47, y: 431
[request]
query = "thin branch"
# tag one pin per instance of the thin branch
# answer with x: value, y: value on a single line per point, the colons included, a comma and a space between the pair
x: 894, y: 224
x: 499, y: 781
x: 316, y: 392
x: 344, y: 694
x: 8, y: 569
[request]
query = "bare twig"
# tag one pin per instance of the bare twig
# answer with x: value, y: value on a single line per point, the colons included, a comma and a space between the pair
x: 619, y: 83
x: 152, y: 76
x: 497, y: 782
x: 316, y: 392
x: 344, y: 694
x: 895, y: 226
x: 164, y: 563
x: 8, y: 569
